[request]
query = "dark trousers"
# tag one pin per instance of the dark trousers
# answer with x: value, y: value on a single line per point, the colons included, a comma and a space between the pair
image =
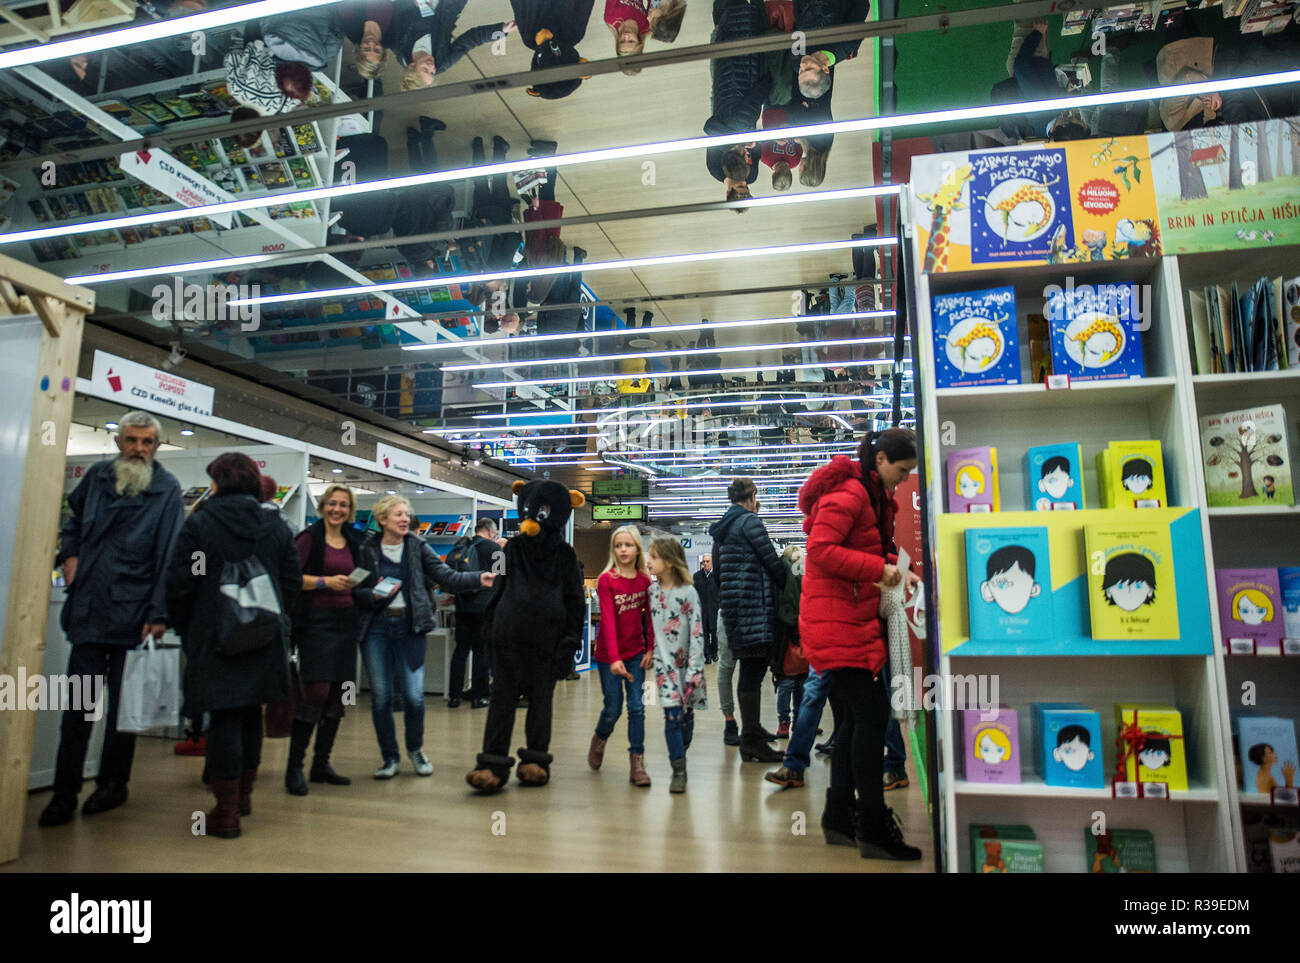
x: 234, y: 742
x: 752, y: 670
x: 74, y: 734
x: 861, y: 704
x: 711, y: 638
x: 469, y: 640
x: 511, y: 680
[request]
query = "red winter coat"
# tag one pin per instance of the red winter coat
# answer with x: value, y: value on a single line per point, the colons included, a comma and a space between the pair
x: 838, y: 609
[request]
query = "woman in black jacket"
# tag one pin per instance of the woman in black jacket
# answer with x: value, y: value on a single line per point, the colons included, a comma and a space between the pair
x: 230, y: 527
x: 424, y: 45
x: 395, y: 622
x: 750, y: 575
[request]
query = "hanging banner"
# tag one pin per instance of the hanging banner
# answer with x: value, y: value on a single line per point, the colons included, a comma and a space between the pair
x: 165, y: 173
x: 1223, y: 188
x: 1090, y: 200
x: 395, y: 461
x: 139, y: 386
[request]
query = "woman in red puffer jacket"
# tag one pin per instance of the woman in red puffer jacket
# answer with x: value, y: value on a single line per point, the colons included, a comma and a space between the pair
x: 849, y: 508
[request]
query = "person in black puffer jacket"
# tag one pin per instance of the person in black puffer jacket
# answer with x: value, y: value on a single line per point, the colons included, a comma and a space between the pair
x: 750, y: 575
x: 737, y: 96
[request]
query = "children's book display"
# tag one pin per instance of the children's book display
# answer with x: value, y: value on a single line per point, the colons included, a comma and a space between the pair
x: 1120, y: 851
x: 1054, y: 477
x: 1250, y: 608
x: 1232, y: 330
x: 1131, y: 593
x: 1009, y: 584
x: 973, y: 480
x: 1095, y: 332
x: 976, y: 342
x: 1131, y: 474
x: 1267, y: 747
x: 992, y: 746
x: 1151, y: 745
x: 1067, y: 745
x: 1247, y: 457
x: 1004, y: 849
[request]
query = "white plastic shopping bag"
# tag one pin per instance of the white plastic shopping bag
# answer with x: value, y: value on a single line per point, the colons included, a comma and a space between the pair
x: 151, y: 689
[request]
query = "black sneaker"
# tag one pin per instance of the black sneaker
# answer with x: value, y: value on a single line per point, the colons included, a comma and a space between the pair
x: 542, y: 148
x: 109, y: 795
x: 731, y: 734
x: 453, y: 703
x: 479, y: 703
x: 59, y: 810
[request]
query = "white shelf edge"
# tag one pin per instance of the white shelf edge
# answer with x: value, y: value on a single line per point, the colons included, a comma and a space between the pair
x: 1119, y: 386
x: 1034, y: 788
x: 1237, y: 377
x: 1254, y: 510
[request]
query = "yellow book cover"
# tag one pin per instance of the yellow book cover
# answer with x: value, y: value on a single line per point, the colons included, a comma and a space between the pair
x: 1103, y: 479
x: 1137, y: 474
x: 1161, y: 751
x: 1131, y: 591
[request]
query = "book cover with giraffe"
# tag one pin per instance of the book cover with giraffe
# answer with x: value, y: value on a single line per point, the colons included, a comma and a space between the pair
x: 1018, y: 200
x: 1096, y: 331
x: 976, y: 341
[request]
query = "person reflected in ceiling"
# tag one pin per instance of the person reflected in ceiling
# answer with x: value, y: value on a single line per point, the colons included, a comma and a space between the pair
x: 632, y: 21
x: 552, y: 30
x: 367, y: 23
x: 423, y: 42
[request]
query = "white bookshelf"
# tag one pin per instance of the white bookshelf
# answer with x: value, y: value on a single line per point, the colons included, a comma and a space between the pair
x: 1197, y: 830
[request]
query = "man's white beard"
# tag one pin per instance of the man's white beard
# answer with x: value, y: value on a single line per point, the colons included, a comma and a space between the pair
x: 131, y: 477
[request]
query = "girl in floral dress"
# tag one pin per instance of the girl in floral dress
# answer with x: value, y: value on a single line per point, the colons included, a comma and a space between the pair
x: 678, y: 650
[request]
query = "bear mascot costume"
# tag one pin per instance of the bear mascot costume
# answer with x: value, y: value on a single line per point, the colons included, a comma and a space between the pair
x: 534, y: 625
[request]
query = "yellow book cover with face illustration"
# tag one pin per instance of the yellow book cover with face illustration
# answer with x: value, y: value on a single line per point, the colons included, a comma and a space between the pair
x: 1158, y: 753
x: 1131, y: 474
x: 1131, y: 592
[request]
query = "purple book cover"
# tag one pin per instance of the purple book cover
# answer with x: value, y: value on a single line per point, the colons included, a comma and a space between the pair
x: 1250, y: 605
x: 973, y: 480
x: 992, y: 746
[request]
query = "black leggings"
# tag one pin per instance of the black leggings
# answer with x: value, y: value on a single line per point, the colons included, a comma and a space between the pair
x: 234, y: 742
x: 752, y: 670
x: 861, y: 705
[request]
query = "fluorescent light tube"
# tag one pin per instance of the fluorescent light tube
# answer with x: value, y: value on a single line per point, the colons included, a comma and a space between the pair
x: 587, y: 379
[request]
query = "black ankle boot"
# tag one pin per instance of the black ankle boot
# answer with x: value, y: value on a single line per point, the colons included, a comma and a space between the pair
x: 753, y: 747
x: 321, y: 770
x: 880, y: 835
x: 299, y: 737
x: 630, y: 315
x: 837, y: 818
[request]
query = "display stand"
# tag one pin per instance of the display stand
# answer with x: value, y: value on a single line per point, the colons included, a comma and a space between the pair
x: 41, y: 328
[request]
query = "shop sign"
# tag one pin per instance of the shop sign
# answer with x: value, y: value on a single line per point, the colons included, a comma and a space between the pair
x: 166, y: 174
x: 139, y: 386
x: 395, y: 461
x: 617, y: 513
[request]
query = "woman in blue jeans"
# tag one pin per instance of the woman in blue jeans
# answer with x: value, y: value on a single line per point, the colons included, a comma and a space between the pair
x: 397, y: 613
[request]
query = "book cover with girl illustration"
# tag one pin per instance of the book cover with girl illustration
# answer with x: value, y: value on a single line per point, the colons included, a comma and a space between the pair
x: 1094, y: 331
x: 1268, y: 753
x: 973, y: 480
x: 1131, y: 474
x: 1158, y: 751
x: 1250, y: 606
x: 1009, y: 584
x: 1054, y: 477
x: 1131, y: 592
x: 976, y: 338
x: 992, y: 746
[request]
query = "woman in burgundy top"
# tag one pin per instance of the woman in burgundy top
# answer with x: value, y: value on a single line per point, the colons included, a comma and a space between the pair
x: 624, y: 648
x: 326, y: 634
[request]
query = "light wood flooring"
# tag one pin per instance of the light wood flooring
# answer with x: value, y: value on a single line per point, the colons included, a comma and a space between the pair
x: 729, y: 820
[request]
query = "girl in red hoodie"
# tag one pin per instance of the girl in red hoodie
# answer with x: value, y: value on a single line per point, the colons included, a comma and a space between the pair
x: 849, y: 508
x: 623, y: 648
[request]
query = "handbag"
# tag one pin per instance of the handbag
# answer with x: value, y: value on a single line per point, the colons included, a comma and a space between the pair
x: 151, y: 688
x: 278, y: 716
x: 794, y: 662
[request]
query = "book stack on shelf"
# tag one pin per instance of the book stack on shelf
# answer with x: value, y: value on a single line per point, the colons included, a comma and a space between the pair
x: 1255, y: 328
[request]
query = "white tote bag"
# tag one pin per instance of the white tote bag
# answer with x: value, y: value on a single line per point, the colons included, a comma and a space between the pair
x: 151, y: 689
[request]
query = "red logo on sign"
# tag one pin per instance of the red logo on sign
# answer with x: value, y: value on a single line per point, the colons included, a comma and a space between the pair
x: 143, y: 155
x: 114, y: 381
x: 1098, y: 197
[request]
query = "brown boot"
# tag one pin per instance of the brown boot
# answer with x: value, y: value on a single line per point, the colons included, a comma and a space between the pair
x: 596, y: 752
x: 246, y: 792
x: 223, y: 821
x: 638, y: 776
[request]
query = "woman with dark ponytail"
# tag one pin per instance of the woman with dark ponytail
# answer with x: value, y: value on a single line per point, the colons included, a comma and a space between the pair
x: 850, y: 508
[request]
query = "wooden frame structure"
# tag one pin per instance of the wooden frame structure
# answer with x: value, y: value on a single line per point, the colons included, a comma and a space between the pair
x: 82, y: 16
x: 62, y: 309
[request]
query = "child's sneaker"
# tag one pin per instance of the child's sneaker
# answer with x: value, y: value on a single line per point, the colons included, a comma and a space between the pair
x: 783, y: 731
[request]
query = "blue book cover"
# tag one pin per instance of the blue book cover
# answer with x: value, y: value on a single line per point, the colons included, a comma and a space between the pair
x: 1268, y: 752
x: 1289, y: 579
x: 1008, y: 584
x: 1069, y: 740
x: 1095, y: 331
x: 1020, y: 205
x: 1054, y: 477
x: 976, y: 341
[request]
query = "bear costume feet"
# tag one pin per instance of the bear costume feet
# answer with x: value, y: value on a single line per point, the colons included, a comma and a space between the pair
x: 534, y: 767
x: 491, y: 774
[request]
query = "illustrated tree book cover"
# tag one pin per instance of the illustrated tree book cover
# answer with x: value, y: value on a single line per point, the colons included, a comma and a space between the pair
x: 1247, y: 457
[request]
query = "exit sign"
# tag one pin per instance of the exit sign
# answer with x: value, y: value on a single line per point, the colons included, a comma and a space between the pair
x: 618, y: 513
x: 618, y: 487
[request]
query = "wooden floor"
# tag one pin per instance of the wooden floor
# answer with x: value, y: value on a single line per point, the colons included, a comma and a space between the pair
x: 729, y: 820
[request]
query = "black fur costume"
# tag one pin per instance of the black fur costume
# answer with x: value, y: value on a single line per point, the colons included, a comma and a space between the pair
x: 534, y: 624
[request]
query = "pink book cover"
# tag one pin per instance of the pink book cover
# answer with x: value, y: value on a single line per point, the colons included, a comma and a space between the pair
x: 992, y: 746
x: 1250, y: 606
x: 972, y: 480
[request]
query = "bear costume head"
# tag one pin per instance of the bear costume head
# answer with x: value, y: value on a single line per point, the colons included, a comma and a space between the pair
x: 545, y: 506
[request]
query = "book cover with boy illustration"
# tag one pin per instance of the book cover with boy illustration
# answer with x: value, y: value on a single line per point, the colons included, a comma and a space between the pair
x: 976, y: 341
x: 973, y: 480
x: 1247, y: 457
x: 1094, y: 331
x: 992, y: 746
x: 1067, y: 745
x: 1009, y: 584
x: 1157, y: 752
x: 1054, y: 477
x: 1268, y: 752
x: 1131, y: 592
x: 1120, y: 851
x: 1250, y: 606
x: 1131, y: 474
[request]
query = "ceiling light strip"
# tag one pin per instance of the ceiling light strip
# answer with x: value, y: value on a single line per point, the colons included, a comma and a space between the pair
x: 752, y: 369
